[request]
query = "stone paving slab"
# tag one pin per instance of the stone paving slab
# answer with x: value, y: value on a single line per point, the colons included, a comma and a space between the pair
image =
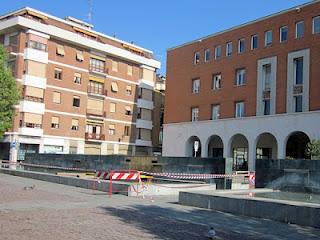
x: 54, y: 211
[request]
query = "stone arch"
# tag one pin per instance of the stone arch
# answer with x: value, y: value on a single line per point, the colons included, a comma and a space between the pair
x: 215, y: 146
x: 190, y: 150
x: 296, y: 144
x: 266, y: 146
x: 239, y: 147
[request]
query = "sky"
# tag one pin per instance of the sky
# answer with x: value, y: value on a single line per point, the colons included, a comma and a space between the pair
x: 158, y: 25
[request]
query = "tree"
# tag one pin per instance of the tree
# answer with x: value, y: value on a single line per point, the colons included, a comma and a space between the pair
x: 9, y: 93
x: 313, y: 149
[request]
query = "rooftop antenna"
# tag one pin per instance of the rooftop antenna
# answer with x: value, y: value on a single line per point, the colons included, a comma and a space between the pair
x: 90, y: 2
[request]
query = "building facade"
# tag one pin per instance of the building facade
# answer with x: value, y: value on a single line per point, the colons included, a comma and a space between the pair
x: 83, y: 92
x: 248, y: 92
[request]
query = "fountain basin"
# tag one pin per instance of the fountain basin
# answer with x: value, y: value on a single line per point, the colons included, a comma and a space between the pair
x: 257, y: 203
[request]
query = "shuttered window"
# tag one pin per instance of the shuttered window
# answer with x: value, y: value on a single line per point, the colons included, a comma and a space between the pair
x: 75, y: 124
x: 112, y: 107
x: 34, y: 92
x: 60, y: 50
x: 129, y: 70
x: 36, y: 69
x: 115, y: 66
x: 129, y: 90
x: 55, y: 122
x: 114, y: 87
x: 95, y: 104
x: 56, y: 97
x: 33, y: 118
x: 112, y: 129
x: 79, y: 56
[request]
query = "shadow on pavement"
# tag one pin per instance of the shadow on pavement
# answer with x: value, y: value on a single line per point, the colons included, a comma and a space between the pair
x: 170, y: 223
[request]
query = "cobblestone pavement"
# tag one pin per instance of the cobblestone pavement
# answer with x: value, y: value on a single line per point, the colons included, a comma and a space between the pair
x: 52, y: 211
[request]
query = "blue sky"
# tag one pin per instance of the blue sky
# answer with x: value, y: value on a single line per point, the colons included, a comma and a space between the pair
x: 158, y: 25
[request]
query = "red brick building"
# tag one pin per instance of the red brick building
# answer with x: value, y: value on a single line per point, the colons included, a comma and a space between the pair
x: 250, y: 91
x: 83, y: 91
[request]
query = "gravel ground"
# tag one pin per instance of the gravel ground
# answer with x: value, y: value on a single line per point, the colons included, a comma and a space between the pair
x: 52, y: 211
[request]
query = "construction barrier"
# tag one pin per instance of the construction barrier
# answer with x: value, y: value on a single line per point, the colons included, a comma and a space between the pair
x: 124, y: 175
x: 191, y: 176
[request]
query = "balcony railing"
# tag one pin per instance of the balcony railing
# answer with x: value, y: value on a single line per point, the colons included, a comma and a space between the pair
x: 33, y: 99
x: 97, y: 69
x: 94, y: 136
x: 95, y: 90
x: 95, y: 112
x: 12, y: 48
x: 30, y: 125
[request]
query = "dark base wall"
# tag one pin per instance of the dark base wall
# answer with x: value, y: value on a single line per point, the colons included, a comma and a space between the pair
x: 120, y: 162
x: 288, y: 175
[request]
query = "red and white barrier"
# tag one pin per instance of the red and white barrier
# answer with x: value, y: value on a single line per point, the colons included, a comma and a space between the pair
x: 191, y: 176
x: 125, y: 176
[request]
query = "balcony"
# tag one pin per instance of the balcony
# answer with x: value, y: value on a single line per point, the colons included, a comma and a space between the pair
x: 95, y: 91
x: 31, y: 129
x: 98, y: 70
x: 142, y: 103
x: 144, y: 124
x: 36, y: 55
x: 34, y: 81
x: 32, y: 107
x: 97, y: 113
x: 146, y: 143
x: 94, y: 136
x: 12, y: 48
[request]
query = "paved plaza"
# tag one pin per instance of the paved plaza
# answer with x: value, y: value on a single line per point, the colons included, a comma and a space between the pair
x: 52, y: 211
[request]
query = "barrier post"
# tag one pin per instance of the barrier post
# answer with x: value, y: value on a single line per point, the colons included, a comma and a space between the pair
x: 110, y: 184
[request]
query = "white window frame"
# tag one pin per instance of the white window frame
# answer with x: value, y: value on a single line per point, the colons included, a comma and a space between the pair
x: 252, y: 37
x: 239, y: 45
x: 196, y: 56
x: 216, y: 79
x: 296, y: 35
x: 206, y: 59
x: 228, y: 47
x: 266, y: 35
x: 216, y: 57
x: 194, y: 114
x: 313, y: 25
x: 240, y: 109
x: 215, y: 114
x: 196, y: 85
x: 243, y: 79
x: 280, y: 34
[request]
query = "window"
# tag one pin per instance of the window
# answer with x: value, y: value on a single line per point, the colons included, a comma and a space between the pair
x: 112, y: 129
x: 58, y: 73
x: 195, y: 85
x: 266, y: 107
x: 194, y: 114
x: 114, y: 66
x: 77, y: 78
x: 126, y: 131
x: 60, y: 50
x: 267, y: 76
x: 316, y: 25
x: 239, y: 109
x: 79, y: 56
x: 95, y: 87
x: 241, y: 46
x: 298, y: 103
x: 229, y: 49
x: 216, y: 81
x: 241, y: 77
x: 299, y: 29
x: 130, y: 70
x: 56, y: 97
x: 215, y: 112
x: 254, y: 42
x: 75, y: 124
x: 129, y: 90
x: 114, y: 87
x: 112, y: 107
x: 128, y: 110
x: 268, y: 38
x: 298, y: 68
x: 284, y: 34
x: 55, y: 122
x: 37, y: 45
x: 97, y: 65
x: 196, y: 58
x: 76, y: 101
x: 217, y: 52
x: 207, y: 55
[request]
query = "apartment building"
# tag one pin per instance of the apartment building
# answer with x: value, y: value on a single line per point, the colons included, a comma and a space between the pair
x: 248, y: 92
x: 83, y: 92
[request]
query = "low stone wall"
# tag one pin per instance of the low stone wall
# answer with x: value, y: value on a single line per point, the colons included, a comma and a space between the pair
x: 301, y: 214
x: 121, y: 188
x: 287, y: 174
x: 108, y: 162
